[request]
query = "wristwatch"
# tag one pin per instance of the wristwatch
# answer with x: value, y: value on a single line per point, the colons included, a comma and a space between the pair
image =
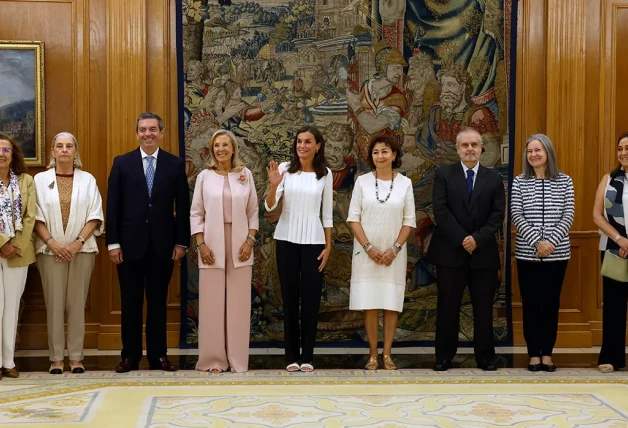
x: 398, y: 245
x: 80, y: 239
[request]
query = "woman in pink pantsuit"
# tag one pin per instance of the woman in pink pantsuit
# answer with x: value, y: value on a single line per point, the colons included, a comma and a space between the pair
x: 224, y: 221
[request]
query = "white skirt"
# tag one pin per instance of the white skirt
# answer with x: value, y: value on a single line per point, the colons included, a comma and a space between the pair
x: 376, y: 295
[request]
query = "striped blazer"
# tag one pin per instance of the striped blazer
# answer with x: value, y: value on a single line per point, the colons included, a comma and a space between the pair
x: 542, y: 210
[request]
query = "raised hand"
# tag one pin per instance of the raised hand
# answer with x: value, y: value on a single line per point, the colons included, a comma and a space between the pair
x: 274, y: 176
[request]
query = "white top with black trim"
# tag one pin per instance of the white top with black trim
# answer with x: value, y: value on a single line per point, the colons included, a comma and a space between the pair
x: 542, y: 210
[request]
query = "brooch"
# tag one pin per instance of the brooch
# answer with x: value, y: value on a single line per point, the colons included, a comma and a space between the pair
x: 51, y: 185
x: 242, y: 179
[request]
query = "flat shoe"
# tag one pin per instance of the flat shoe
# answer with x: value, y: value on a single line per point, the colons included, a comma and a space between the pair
x: 11, y: 373
x: 606, y: 368
x: 79, y: 369
x: 55, y: 370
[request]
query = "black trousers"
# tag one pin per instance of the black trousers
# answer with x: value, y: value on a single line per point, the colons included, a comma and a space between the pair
x: 153, y: 275
x: 540, y: 284
x: 615, y: 298
x: 301, y: 284
x: 451, y: 282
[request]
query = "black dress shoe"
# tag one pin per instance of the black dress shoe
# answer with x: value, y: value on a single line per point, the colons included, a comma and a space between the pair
x: 126, y: 366
x: 487, y: 366
x: 442, y: 365
x: 534, y: 367
x: 163, y: 364
x: 548, y: 367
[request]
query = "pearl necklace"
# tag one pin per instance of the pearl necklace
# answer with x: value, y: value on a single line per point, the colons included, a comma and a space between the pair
x: 392, y: 183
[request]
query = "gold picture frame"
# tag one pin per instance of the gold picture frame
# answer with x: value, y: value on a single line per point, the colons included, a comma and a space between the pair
x: 22, y: 103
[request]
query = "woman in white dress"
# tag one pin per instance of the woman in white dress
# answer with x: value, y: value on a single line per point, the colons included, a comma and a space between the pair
x: 381, y: 216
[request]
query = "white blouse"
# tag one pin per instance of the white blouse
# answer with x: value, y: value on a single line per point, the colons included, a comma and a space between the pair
x: 303, y: 194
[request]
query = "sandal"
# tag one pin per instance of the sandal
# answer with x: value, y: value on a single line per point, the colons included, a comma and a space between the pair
x: 388, y: 362
x: 606, y: 368
x: 371, y: 364
x: 307, y: 367
x: 294, y: 367
x: 215, y: 371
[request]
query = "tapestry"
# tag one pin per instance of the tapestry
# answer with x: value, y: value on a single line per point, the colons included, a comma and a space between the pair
x: 419, y: 71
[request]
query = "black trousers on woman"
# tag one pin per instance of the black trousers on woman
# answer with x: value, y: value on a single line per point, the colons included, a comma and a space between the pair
x: 540, y: 284
x: 615, y: 300
x: 301, y: 284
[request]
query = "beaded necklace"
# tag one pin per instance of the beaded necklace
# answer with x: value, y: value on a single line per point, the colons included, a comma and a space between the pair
x: 392, y: 183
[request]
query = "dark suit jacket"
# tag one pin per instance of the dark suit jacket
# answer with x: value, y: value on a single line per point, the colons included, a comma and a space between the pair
x: 456, y: 217
x: 134, y: 220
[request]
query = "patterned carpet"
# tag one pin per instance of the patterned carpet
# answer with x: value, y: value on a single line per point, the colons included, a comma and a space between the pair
x: 325, y: 398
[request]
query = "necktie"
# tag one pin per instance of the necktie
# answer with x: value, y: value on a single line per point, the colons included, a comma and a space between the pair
x: 470, y: 175
x: 150, y: 174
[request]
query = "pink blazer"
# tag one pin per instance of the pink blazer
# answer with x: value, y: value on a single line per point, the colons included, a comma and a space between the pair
x: 206, y: 214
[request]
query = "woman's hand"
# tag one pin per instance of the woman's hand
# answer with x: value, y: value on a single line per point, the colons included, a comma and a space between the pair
x: 245, y: 251
x: 73, y: 249
x: 206, y: 255
x: 544, y: 249
x: 623, y: 253
x: 375, y: 255
x: 62, y: 253
x: 8, y: 250
x: 623, y: 243
x: 323, y: 258
x: 274, y: 176
x: 387, y: 258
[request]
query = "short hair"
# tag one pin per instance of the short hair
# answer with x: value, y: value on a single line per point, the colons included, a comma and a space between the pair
x: 149, y: 115
x: 552, y: 168
x: 468, y: 130
x: 236, y: 164
x: 77, y: 164
x: 458, y: 72
x: 17, y: 156
x: 391, y: 142
x: 618, y: 168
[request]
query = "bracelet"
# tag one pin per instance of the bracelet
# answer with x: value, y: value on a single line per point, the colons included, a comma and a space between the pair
x: 252, y: 238
x: 367, y: 244
x: 368, y: 247
x: 394, y: 251
x: 617, y: 238
x: 398, y: 245
x: 198, y: 245
x: 80, y: 239
x: 249, y: 244
x: 48, y: 239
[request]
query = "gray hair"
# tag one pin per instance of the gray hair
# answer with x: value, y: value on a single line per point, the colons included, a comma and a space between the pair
x: 468, y: 130
x: 77, y: 158
x: 149, y: 115
x: 552, y: 169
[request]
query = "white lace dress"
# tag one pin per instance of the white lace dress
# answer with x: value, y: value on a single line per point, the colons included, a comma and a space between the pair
x: 376, y: 286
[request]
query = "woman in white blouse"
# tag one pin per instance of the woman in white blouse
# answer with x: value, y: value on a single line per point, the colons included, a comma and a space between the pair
x: 69, y: 215
x: 303, y: 242
x: 381, y: 216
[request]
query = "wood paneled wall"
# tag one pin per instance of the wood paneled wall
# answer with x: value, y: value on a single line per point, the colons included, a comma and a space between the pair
x: 572, y: 72
x: 106, y: 61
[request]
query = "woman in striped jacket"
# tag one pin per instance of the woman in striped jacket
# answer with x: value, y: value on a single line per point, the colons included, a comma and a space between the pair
x: 542, y: 208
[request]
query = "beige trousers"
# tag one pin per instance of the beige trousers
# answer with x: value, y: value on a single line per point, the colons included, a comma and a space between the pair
x: 65, y: 291
x: 12, y: 282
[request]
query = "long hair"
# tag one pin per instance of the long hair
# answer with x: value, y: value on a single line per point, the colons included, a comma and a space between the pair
x: 236, y: 164
x: 77, y: 159
x: 17, y: 156
x: 552, y: 168
x: 320, y: 166
x: 615, y: 171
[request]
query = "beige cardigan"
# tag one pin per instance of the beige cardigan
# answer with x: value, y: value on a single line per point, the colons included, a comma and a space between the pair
x: 24, y: 238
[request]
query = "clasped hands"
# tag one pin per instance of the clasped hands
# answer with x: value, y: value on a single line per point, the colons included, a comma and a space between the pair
x: 381, y: 258
x: 544, y: 249
x: 9, y: 251
x: 64, y: 253
x: 469, y: 244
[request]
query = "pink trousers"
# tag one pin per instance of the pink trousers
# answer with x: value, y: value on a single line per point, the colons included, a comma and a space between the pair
x: 224, y: 315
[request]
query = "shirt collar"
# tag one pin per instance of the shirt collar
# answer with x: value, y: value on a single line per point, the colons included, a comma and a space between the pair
x: 475, y: 168
x: 145, y: 155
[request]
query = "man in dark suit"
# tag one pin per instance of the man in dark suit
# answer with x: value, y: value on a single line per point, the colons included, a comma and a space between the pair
x: 469, y: 205
x: 145, y: 238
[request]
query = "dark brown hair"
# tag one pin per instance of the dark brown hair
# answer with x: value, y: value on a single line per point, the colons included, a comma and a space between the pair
x: 320, y: 166
x: 618, y: 167
x: 17, y: 157
x: 391, y: 142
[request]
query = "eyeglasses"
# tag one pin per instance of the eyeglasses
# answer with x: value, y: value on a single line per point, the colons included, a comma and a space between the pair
x: 6, y: 150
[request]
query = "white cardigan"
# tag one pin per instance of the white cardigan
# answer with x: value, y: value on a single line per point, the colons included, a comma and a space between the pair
x: 86, y: 205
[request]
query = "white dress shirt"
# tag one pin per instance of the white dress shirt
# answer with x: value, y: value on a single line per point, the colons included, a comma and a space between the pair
x: 475, y: 170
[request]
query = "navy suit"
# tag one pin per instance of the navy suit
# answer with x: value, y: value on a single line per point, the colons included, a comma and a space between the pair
x: 458, y: 216
x: 147, y: 230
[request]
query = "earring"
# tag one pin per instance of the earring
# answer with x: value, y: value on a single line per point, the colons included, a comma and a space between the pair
x: 53, y: 162
x: 74, y: 162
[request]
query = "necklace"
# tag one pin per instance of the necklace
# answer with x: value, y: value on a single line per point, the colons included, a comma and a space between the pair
x: 392, y: 183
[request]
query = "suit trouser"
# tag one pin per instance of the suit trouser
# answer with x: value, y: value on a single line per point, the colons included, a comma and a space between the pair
x: 152, y: 274
x: 66, y: 285
x: 12, y: 283
x: 301, y: 283
x: 540, y: 284
x: 224, y: 314
x: 615, y: 298
x: 451, y: 282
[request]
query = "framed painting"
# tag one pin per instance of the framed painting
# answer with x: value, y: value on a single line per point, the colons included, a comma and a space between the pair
x: 22, y: 96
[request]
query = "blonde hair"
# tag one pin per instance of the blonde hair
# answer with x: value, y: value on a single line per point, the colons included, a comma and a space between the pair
x: 77, y: 158
x: 236, y: 164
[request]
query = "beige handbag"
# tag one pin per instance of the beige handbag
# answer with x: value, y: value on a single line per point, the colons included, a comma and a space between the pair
x: 615, y: 267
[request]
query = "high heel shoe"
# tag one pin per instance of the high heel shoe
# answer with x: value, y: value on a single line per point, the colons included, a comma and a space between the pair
x: 371, y: 364
x: 388, y: 362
